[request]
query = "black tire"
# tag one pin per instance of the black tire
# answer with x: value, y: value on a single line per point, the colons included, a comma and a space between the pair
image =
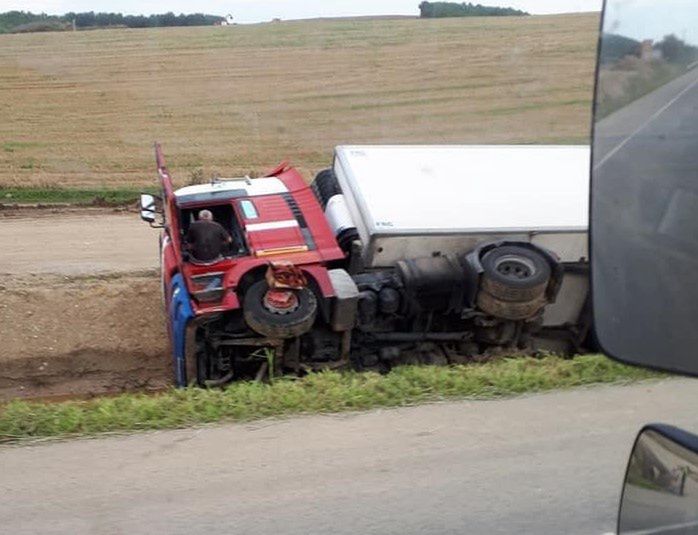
x: 515, y: 274
x: 266, y: 323
x: 325, y: 186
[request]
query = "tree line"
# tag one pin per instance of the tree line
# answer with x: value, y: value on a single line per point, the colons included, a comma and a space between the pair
x: 92, y: 19
x: 17, y: 21
x: 432, y: 10
x: 670, y: 48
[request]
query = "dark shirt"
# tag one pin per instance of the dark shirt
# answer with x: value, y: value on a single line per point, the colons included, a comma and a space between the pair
x: 206, y: 240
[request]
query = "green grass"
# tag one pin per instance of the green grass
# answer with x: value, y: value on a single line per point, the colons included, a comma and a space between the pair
x: 12, y: 146
x: 318, y: 393
x: 87, y: 196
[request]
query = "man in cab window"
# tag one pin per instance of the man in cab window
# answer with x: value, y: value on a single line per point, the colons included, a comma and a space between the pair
x: 207, y: 239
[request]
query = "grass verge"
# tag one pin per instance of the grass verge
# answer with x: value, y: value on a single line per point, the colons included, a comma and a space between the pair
x: 87, y: 196
x: 318, y: 393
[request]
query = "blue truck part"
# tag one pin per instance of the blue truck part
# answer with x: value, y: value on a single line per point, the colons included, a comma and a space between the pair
x: 180, y: 314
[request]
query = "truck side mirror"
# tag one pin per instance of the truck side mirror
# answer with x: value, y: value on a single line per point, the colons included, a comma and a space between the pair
x: 660, y: 492
x: 149, y: 208
x: 644, y: 201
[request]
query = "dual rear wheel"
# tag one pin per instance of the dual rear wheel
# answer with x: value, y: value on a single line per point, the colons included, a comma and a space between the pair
x: 514, y: 283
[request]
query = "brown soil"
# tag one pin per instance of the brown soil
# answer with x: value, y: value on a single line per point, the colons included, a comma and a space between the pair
x: 82, y: 374
x: 81, y: 336
x: 80, y: 305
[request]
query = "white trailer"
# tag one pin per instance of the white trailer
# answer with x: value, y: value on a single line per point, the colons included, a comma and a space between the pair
x: 403, y: 202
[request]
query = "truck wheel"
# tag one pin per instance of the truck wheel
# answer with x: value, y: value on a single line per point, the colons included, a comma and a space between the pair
x: 515, y: 274
x: 509, y: 310
x: 275, y: 323
x: 325, y: 186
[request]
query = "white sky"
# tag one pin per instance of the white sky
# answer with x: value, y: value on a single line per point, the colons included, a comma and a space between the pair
x: 264, y: 10
x: 652, y: 19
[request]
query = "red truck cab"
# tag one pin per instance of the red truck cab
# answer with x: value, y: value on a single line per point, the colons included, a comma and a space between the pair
x: 272, y: 220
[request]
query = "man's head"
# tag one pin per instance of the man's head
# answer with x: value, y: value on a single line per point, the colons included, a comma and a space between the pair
x: 205, y: 215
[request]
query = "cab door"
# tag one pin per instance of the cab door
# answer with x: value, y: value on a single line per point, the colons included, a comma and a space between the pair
x: 172, y: 224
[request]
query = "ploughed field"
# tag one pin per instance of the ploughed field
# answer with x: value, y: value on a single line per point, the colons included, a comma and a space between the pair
x: 80, y: 301
x: 83, y: 109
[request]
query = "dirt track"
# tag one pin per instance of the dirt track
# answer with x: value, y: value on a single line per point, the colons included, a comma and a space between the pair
x: 76, y: 242
x: 65, y: 332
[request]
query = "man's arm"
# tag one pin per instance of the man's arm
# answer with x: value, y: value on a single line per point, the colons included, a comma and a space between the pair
x: 190, y: 238
x: 224, y: 234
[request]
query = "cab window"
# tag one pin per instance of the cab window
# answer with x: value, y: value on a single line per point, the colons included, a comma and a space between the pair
x: 248, y: 209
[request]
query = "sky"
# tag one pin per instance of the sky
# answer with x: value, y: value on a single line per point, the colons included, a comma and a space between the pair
x: 265, y: 10
x: 650, y: 19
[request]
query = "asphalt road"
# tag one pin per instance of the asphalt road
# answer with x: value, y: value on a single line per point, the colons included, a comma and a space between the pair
x: 644, y: 220
x: 550, y: 463
x: 646, y: 120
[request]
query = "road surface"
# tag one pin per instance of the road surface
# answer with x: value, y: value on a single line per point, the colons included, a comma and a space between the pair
x: 76, y: 243
x: 550, y: 463
x: 643, y: 234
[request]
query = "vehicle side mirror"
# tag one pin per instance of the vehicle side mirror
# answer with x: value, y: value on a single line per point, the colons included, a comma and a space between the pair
x: 660, y: 492
x: 149, y: 208
x: 644, y: 201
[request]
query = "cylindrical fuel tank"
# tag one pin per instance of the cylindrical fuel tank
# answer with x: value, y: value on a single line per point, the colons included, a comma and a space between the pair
x: 433, y: 283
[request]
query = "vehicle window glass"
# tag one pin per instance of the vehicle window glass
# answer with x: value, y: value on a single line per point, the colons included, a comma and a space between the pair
x: 645, y: 195
x: 248, y: 209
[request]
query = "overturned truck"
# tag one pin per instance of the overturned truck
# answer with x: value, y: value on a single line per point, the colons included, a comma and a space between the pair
x: 395, y: 254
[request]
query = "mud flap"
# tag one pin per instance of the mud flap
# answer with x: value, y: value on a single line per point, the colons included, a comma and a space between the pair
x: 180, y: 314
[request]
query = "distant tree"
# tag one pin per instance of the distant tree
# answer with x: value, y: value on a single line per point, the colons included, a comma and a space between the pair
x: 136, y: 21
x: 430, y: 10
x: 41, y: 26
x: 12, y: 19
x: 616, y: 47
x: 674, y: 50
x: 25, y: 21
